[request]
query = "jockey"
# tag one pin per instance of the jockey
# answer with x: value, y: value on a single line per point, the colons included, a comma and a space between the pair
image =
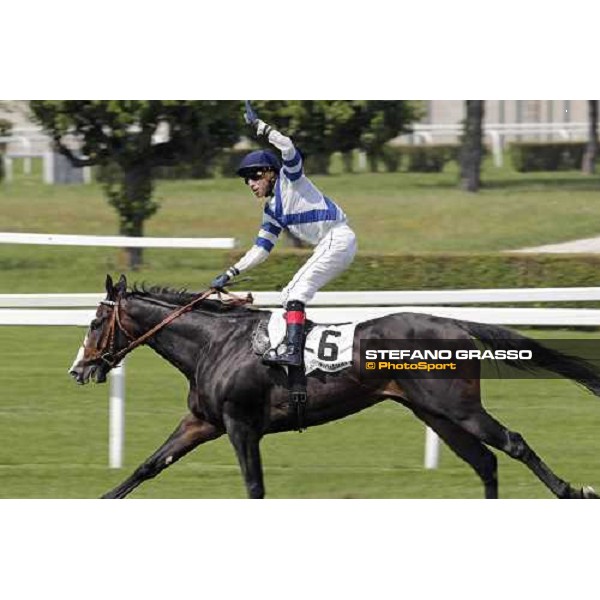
x: 293, y: 203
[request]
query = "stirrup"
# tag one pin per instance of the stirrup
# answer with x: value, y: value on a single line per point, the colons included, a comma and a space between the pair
x: 283, y: 355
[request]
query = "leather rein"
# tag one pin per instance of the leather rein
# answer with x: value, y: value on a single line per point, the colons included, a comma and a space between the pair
x: 112, y: 358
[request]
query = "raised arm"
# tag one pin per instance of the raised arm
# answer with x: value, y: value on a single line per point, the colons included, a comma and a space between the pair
x: 292, y: 159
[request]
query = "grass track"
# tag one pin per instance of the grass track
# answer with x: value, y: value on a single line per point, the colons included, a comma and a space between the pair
x: 55, y: 436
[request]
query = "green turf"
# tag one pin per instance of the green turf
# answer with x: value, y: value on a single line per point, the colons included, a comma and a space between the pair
x: 391, y: 213
x: 55, y: 440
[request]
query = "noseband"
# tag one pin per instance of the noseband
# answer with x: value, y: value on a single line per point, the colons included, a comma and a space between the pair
x: 107, y: 352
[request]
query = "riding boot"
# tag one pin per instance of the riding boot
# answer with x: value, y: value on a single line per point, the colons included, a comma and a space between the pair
x: 289, y: 352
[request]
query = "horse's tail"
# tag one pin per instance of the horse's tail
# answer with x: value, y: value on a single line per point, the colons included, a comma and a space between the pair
x: 571, y: 367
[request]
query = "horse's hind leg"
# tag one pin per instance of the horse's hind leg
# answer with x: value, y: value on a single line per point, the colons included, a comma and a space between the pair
x: 465, y: 446
x: 488, y: 430
x: 190, y: 433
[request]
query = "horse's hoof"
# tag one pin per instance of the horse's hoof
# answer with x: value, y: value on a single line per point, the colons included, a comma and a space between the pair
x: 589, y: 493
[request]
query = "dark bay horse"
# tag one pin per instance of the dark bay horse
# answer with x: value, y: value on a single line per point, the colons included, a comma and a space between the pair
x: 231, y: 392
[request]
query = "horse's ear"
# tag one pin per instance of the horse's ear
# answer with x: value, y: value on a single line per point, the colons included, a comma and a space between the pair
x: 122, y: 285
x: 109, y: 286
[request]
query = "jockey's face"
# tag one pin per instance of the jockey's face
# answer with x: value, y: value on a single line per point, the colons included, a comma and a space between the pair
x: 261, y: 182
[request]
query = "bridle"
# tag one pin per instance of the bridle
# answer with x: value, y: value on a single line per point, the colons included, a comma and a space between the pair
x: 107, y: 353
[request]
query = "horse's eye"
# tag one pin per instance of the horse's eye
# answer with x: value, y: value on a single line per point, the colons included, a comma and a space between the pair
x: 95, y: 324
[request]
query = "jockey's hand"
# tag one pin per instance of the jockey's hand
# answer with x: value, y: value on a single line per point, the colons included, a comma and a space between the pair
x: 250, y: 115
x: 252, y: 119
x: 222, y: 280
x: 218, y: 283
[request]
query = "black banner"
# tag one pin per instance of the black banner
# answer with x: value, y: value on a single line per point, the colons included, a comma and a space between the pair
x: 467, y: 358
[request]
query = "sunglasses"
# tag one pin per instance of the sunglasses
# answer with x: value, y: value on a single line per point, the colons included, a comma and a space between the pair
x: 254, y: 175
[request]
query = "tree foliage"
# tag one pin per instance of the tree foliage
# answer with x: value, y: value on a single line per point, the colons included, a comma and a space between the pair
x: 321, y: 127
x: 384, y: 120
x: 124, y: 138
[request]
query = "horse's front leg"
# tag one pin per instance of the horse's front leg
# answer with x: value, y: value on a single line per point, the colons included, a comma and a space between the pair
x: 245, y: 434
x: 190, y: 433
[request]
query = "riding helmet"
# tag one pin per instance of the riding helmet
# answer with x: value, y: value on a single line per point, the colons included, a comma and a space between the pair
x: 258, y: 159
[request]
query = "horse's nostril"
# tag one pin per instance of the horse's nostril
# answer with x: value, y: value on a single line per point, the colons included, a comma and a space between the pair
x: 77, y: 376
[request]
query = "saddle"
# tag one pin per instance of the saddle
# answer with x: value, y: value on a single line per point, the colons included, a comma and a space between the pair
x: 328, y: 348
x: 260, y: 336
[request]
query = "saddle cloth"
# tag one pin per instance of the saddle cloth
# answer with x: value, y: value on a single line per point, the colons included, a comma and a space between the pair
x: 327, y: 347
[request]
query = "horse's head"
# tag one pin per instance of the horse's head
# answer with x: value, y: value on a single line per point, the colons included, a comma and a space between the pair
x: 103, y: 339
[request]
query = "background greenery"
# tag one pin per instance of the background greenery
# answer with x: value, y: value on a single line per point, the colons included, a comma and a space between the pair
x: 415, y: 230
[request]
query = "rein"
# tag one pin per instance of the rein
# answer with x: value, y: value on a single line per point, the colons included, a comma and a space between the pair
x: 112, y: 359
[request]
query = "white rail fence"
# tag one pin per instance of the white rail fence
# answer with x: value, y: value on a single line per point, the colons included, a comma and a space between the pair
x: 499, y: 133
x: 115, y: 241
x: 79, y: 309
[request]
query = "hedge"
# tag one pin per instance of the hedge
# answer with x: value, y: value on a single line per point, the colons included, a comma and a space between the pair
x: 419, y: 158
x: 546, y: 156
x: 375, y: 272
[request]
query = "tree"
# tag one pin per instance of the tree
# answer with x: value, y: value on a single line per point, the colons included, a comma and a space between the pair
x: 120, y: 136
x: 5, y: 129
x: 321, y: 127
x: 591, y: 151
x: 384, y: 120
x: 318, y: 127
x: 471, y: 151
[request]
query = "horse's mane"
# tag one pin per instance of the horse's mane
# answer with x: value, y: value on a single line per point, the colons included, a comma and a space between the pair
x: 181, y: 297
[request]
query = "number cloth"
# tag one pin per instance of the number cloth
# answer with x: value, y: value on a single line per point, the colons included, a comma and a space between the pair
x: 328, y: 347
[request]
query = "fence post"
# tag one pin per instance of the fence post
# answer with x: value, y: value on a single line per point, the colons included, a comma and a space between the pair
x: 49, y: 167
x: 116, y: 424
x: 362, y: 161
x: 432, y: 449
x: 496, y: 147
x: 8, y: 168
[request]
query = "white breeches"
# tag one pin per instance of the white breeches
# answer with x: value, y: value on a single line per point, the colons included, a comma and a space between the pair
x: 332, y: 255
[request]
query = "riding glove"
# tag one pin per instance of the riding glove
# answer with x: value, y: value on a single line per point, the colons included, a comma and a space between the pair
x: 250, y: 115
x: 222, y: 280
x: 252, y: 119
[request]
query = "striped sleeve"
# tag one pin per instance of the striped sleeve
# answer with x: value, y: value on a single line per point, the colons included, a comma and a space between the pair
x: 266, y: 239
x: 292, y: 160
x: 293, y: 168
x: 268, y: 234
